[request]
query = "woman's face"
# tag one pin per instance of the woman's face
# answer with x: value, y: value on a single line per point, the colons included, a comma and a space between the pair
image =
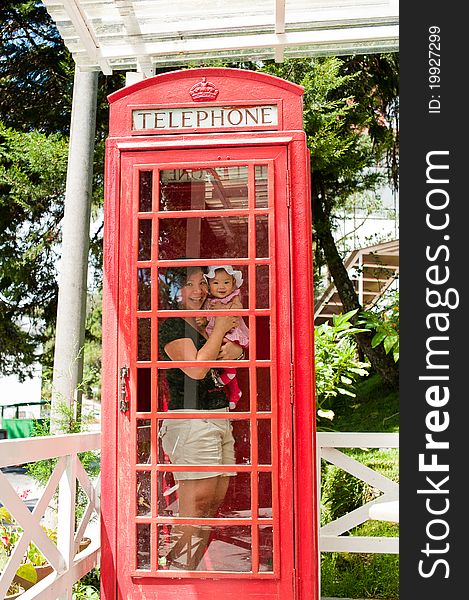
x: 194, y: 291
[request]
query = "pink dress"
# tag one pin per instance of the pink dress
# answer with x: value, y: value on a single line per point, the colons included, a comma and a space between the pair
x: 240, y: 333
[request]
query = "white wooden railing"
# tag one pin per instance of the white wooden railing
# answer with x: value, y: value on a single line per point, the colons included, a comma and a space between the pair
x: 68, y: 563
x: 69, y: 566
x: 385, y: 507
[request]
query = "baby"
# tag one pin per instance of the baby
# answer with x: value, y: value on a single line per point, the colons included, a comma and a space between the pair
x: 224, y: 284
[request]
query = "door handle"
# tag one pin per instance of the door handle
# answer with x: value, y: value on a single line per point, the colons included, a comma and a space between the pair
x: 124, y: 403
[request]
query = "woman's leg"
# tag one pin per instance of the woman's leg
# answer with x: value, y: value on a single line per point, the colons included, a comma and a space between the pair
x: 197, y: 498
x: 201, y: 497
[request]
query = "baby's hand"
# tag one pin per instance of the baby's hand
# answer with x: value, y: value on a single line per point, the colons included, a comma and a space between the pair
x: 218, y: 305
x: 201, y: 321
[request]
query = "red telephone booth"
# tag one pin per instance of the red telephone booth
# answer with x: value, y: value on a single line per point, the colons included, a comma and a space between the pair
x: 207, y: 220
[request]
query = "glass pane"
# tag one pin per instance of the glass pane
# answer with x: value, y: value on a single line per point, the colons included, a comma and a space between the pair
x: 265, y: 495
x: 145, y: 191
x: 238, y: 390
x: 262, y: 338
x: 193, y: 441
x: 144, y: 289
x: 264, y: 440
x: 204, y: 548
x: 173, y: 328
x: 143, y: 390
x: 177, y: 391
x: 176, y: 500
x: 172, y: 279
x: 144, y: 239
x: 144, y: 339
x: 264, y: 403
x: 262, y: 286
x: 208, y: 237
x: 266, y: 548
x: 262, y: 236
x: 143, y: 493
x: 144, y: 442
x: 237, y: 501
x: 204, y: 189
x: 143, y: 546
x: 261, y: 185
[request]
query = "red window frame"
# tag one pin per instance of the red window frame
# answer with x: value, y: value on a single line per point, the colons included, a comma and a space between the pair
x: 277, y: 214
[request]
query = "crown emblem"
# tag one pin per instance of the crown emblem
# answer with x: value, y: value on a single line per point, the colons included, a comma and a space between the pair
x: 203, y: 90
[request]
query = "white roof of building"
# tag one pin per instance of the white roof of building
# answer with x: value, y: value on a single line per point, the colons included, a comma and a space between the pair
x: 141, y: 35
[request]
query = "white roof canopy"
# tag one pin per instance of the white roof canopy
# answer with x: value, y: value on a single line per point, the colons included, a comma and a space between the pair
x: 140, y: 35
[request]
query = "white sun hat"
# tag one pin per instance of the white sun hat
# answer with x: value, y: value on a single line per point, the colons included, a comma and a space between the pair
x: 238, y: 276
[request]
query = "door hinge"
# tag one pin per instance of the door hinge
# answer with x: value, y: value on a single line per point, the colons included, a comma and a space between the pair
x: 292, y: 384
x: 287, y: 176
x: 124, y: 403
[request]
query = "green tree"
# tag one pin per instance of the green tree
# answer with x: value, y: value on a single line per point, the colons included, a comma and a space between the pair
x: 32, y: 176
x: 36, y: 86
x: 351, y: 120
x: 36, y: 69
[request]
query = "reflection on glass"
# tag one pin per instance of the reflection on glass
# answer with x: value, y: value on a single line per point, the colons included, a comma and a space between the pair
x: 204, y: 548
x: 263, y: 390
x: 144, y: 289
x: 180, y: 441
x: 169, y: 285
x: 266, y: 549
x: 262, y: 286
x: 236, y: 504
x: 143, y: 493
x: 143, y: 390
x: 262, y: 236
x: 144, y: 339
x: 264, y: 438
x: 261, y: 185
x: 207, y: 237
x: 143, y: 546
x: 168, y: 505
x: 144, y: 239
x: 204, y: 189
x: 145, y: 191
x: 265, y: 495
x: 143, y: 442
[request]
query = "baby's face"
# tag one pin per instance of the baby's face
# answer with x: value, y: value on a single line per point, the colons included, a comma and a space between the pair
x: 222, y: 284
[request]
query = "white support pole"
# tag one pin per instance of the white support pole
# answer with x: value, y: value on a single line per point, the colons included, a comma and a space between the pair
x: 71, y: 309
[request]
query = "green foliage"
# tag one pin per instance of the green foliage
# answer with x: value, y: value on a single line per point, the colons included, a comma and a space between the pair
x: 385, y: 323
x: 337, y: 366
x: 88, y: 586
x: 354, y: 575
x: 32, y: 172
x: 36, y: 70
x: 375, y: 408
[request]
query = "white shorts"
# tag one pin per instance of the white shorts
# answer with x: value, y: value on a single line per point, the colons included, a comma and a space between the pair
x: 198, y: 442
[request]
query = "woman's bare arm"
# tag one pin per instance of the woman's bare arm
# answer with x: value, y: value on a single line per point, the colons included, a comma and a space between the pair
x: 183, y: 349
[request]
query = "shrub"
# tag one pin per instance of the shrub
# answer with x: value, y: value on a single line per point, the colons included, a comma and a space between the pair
x: 337, y: 365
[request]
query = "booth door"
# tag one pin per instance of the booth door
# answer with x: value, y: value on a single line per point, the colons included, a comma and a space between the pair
x: 201, y: 208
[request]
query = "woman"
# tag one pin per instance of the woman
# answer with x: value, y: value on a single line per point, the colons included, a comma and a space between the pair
x: 195, y: 441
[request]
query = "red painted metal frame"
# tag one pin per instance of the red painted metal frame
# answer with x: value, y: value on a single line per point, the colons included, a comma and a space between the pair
x: 117, y: 262
x: 252, y: 363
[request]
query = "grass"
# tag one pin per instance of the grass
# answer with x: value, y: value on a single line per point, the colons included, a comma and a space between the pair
x: 355, y: 575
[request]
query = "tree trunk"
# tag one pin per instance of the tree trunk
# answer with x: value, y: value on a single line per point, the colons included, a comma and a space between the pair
x: 381, y: 363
